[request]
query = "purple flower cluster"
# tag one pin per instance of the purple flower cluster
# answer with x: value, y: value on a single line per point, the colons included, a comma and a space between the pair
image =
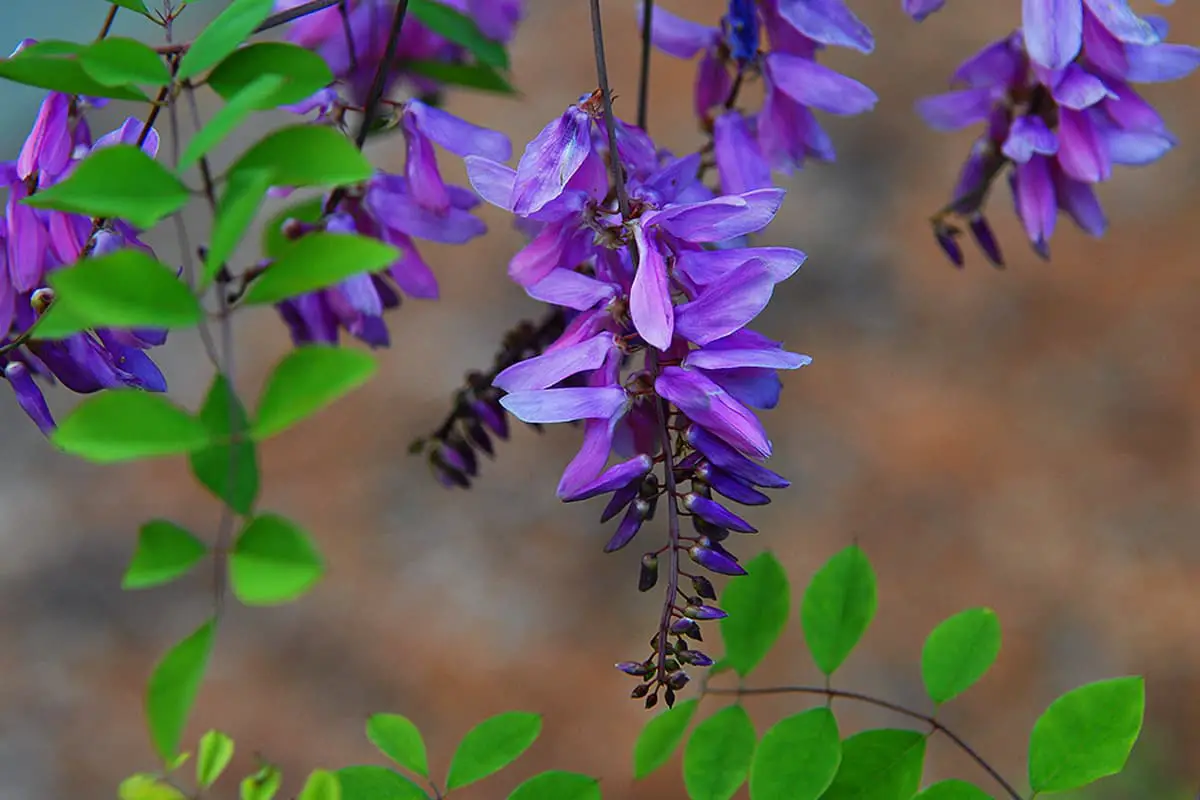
x: 746, y: 147
x: 656, y: 359
x: 34, y: 242
x: 1058, y: 104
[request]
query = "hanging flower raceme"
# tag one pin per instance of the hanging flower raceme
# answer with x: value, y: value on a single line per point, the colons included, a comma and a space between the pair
x: 656, y: 360
x: 746, y: 147
x: 35, y: 242
x: 1060, y: 130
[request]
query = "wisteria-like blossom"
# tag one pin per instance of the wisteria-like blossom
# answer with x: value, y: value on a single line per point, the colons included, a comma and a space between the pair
x: 656, y: 360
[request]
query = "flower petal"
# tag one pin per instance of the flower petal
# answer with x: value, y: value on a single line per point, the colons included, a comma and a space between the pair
x: 551, y: 367
x: 565, y: 405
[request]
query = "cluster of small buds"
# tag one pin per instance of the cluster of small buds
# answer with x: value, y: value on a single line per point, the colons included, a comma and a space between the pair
x: 35, y: 242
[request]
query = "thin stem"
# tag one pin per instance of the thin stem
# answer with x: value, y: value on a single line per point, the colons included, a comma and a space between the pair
x: 344, y: 12
x: 664, y: 621
x: 830, y: 693
x: 643, y: 107
x: 610, y: 122
x: 108, y: 22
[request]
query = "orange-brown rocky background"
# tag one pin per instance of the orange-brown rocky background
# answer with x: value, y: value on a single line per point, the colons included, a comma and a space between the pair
x: 1024, y: 439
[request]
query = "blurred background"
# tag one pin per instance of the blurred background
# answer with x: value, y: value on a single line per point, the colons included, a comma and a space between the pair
x: 1023, y: 439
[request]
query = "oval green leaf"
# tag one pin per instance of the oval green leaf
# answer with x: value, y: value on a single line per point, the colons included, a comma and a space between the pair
x: 460, y: 29
x: 222, y: 36
x: 797, y: 758
x: 758, y: 605
x: 316, y: 261
x: 558, y: 785
x: 369, y: 782
x: 958, y: 652
x: 837, y: 607
x: 134, y: 5
x: 172, y: 689
x: 143, y: 786
x: 213, y: 756
x: 164, y: 552
x: 660, y: 736
x: 305, y: 381
x: 321, y: 785
x: 953, y: 790
x: 262, y: 785
x: 491, y: 746
x: 882, y: 764
x: 117, y: 181
x: 306, y: 155
x: 244, y: 193
x: 126, y: 424
x: 225, y: 121
x: 49, y: 65
x: 229, y: 467
x: 273, y: 561
x: 471, y: 76
x: 301, y: 73
x: 400, y: 740
x: 1086, y: 734
x: 117, y: 61
x: 125, y: 289
x: 718, y: 754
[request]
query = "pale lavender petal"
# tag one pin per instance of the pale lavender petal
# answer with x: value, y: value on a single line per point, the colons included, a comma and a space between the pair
x: 726, y: 305
x: 129, y: 133
x: 1121, y: 21
x: 705, y: 266
x: 1082, y: 152
x: 1079, y: 89
x: 1103, y: 50
x: 768, y: 358
x: 550, y: 160
x: 955, y: 110
x: 425, y: 182
x: 27, y: 241
x: 677, y: 36
x: 1079, y: 200
x: 712, y: 83
x: 493, y: 182
x: 740, y: 164
x: 590, y: 460
x: 750, y: 386
x: 1036, y: 203
x: 1130, y: 111
x: 459, y: 136
x: 650, y: 304
x: 1134, y: 148
x: 1029, y: 135
x: 828, y: 22
x: 410, y: 272
x: 48, y: 146
x: 721, y: 218
x: 551, y: 367
x: 570, y: 289
x: 1053, y: 30
x: 1160, y: 63
x: 544, y: 253
x: 400, y: 211
x: 565, y: 405
x: 920, y: 9
x: 711, y: 407
x: 817, y: 86
x: 997, y: 65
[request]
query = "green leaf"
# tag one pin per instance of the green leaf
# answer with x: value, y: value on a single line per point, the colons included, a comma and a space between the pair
x: 262, y: 785
x: 305, y: 381
x: 221, y: 414
x: 173, y: 686
x: 797, y: 758
x: 660, y: 736
x: 558, y: 785
x: 321, y: 785
x: 838, y: 607
x: 460, y: 29
x: 164, y: 552
x: 147, y: 787
x: 225, y: 121
x: 48, y: 66
x: 244, y: 193
x: 222, y: 36
x: 473, y: 76
x: 117, y: 181
x: 117, y: 61
x: 882, y: 764
x: 126, y: 424
x: 757, y: 604
x: 718, y: 754
x: 953, y: 790
x: 400, y: 740
x: 273, y: 561
x: 301, y: 72
x: 306, y: 155
x: 316, y: 261
x: 369, y: 782
x: 215, y: 753
x: 958, y: 652
x: 125, y: 289
x: 274, y: 242
x: 133, y: 5
x: 57, y: 322
x: 1086, y: 734
x: 491, y: 746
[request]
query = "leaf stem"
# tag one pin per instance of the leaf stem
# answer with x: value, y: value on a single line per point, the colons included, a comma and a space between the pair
x: 108, y: 21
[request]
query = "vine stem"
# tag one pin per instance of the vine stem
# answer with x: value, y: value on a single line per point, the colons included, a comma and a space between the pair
x: 643, y: 106
x: 108, y: 22
x: 610, y: 122
x: 830, y: 693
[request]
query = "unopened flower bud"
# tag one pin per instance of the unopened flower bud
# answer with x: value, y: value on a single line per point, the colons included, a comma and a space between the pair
x: 715, y: 561
x: 640, y: 690
x: 669, y: 697
x: 41, y: 300
x: 649, y: 574
x: 686, y: 627
x: 651, y: 700
x: 678, y: 679
x: 704, y: 587
x: 695, y: 658
x: 704, y: 612
x: 635, y: 668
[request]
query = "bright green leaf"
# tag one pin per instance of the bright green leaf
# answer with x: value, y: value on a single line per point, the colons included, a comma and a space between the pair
x: 316, y: 261
x: 953, y: 790
x: 215, y: 465
x: 660, y: 736
x: 117, y: 181
x: 558, y: 785
x: 117, y: 61
x: 301, y: 73
x: 244, y: 193
x: 321, y: 785
x: 882, y: 764
x: 57, y: 322
x: 838, y: 607
x: 306, y: 155
x: 492, y: 745
x: 369, y: 782
x: 214, y: 755
x: 50, y: 68
x: 222, y: 36
x: 460, y: 29
x: 133, y: 5
x: 164, y: 552
x: 147, y: 787
x: 225, y: 121
x: 273, y: 561
x: 400, y: 740
x: 472, y: 76
x: 262, y: 785
x: 305, y: 381
x: 173, y: 686
x: 717, y: 757
x: 1086, y: 734
x: 126, y: 424
x: 125, y: 289
x: 758, y: 605
x: 274, y: 242
x: 959, y: 651
x: 797, y: 758
x: 179, y: 760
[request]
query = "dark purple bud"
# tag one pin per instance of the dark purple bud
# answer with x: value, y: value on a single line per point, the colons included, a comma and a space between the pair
x: 671, y: 664
x: 635, y: 668
x: 649, y: 573
x: 460, y: 458
x: 651, y: 701
x: 615, y: 477
x: 695, y: 658
x: 709, y: 531
x: 982, y: 231
x: 478, y: 437
x: 492, y: 414
x: 685, y: 627
x: 640, y: 690
x: 731, y: 487
x: 688, y: 462
x: 947, y: 239
x: 619, y: 500
x: 733, y: 462
x: 669, y: 697
x: 447, y: 474
x: 631, y: 523
x: 704, y: 587
x: 715, y: 513
x: 648, y: 488
x: 704, y: 612
x: 711, y: 560
x: 677, y: 679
